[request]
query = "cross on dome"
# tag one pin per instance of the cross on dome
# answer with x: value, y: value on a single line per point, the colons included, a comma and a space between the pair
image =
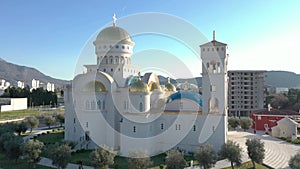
x: 114, y: 20
x: 214, y: 35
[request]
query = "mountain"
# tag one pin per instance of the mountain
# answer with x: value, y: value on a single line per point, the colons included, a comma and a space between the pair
x: 282, y: 79
x: 13, y: 73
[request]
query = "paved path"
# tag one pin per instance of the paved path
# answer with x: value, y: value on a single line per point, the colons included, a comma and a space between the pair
x: 48, y: 162
x: 277, y: 152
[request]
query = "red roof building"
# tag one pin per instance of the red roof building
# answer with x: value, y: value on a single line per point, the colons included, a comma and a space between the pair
x: 265, y: 119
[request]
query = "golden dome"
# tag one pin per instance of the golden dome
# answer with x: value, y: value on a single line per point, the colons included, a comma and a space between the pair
x: 154, y: 87
x: 169, y: 87
x: 139, y: 86
x: 115, y: 34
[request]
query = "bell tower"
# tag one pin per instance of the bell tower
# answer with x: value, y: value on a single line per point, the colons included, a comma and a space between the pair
x: 214, y: 57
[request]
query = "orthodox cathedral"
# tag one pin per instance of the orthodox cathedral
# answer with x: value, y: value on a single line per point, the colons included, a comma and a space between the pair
x: 112, y: 104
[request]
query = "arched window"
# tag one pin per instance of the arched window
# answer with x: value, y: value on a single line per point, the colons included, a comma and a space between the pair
x: 111, y: 60
x: 134, y: 129
x: 141, y: 107
x: 103, y: 106
x: 218, y: 67
x: 93, y: 105
x: 99, y: 104
x: 87, y: 105
x: 213, y: 105
x: 117, y: 59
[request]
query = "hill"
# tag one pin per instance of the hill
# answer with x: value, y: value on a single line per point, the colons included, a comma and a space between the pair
x: 282, y: 79
x: 13, y: 73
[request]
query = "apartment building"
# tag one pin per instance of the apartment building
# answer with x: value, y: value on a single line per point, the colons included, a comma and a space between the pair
x: 245, y: 92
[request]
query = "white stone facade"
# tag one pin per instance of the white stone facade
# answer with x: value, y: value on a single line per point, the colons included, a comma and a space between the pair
x: 111, y: 104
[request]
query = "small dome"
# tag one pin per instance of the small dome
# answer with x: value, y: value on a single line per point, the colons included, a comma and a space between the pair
x: 139, y: 86
x: 115, y: 34
x: 196, y: 97
x: 154, y: 87
x: 169, y: 87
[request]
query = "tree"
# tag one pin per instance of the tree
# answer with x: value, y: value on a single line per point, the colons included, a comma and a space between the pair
x: 206, y: 156
x: 4, y: 138
x: 139, y: 160
x: 256, y: 150
x: 33, y: 122
x: 49, y: 121
x: 61, y: 155
x: 32, y: 150
x: 102, y: 157
x: 245, y: 123
x: 232, y: 152
x: 233, y: 122
x: 21, y: 127
x: 61, y: 119
x: 294, y: 161
x: 13, y: 148
x: 175, y: 160
x: 279, y: 101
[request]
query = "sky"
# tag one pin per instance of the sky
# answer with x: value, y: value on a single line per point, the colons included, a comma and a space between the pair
x: 53, y: 35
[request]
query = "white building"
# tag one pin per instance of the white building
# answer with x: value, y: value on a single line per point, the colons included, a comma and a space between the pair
x: 9, y: 104
x: 4, y: 85
x: 50, y: 87
x: 20, y: 84
x: 286, y: 128
x: 35, y: 84
x: 111, y: 104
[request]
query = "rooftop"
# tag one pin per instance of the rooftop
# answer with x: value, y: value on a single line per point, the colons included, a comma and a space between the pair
x: 276, y: 112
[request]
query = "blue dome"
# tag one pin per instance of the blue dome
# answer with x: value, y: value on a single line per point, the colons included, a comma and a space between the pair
x: 131, y: 80
x: 196, y: 97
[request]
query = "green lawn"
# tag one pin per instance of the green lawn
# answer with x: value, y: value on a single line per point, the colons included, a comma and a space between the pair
x: 248, y: 165
x: 121, y: 162
x: 50, y: 139
x: 28, y: 112
x: 83, y: 155
x: 20, y: 164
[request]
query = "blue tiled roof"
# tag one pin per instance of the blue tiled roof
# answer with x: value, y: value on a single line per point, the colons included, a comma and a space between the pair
x: 196, y: 97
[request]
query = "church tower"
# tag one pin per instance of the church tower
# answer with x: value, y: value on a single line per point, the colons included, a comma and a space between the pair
x: 214, y: 57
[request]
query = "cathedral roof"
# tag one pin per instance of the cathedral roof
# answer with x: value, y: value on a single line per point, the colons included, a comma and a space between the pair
x: 139, y: 86
x: 214, y: 43
x: 114, y: 34
x: 155, y: 87
x: 196, y: 97
x: 170, y: 87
